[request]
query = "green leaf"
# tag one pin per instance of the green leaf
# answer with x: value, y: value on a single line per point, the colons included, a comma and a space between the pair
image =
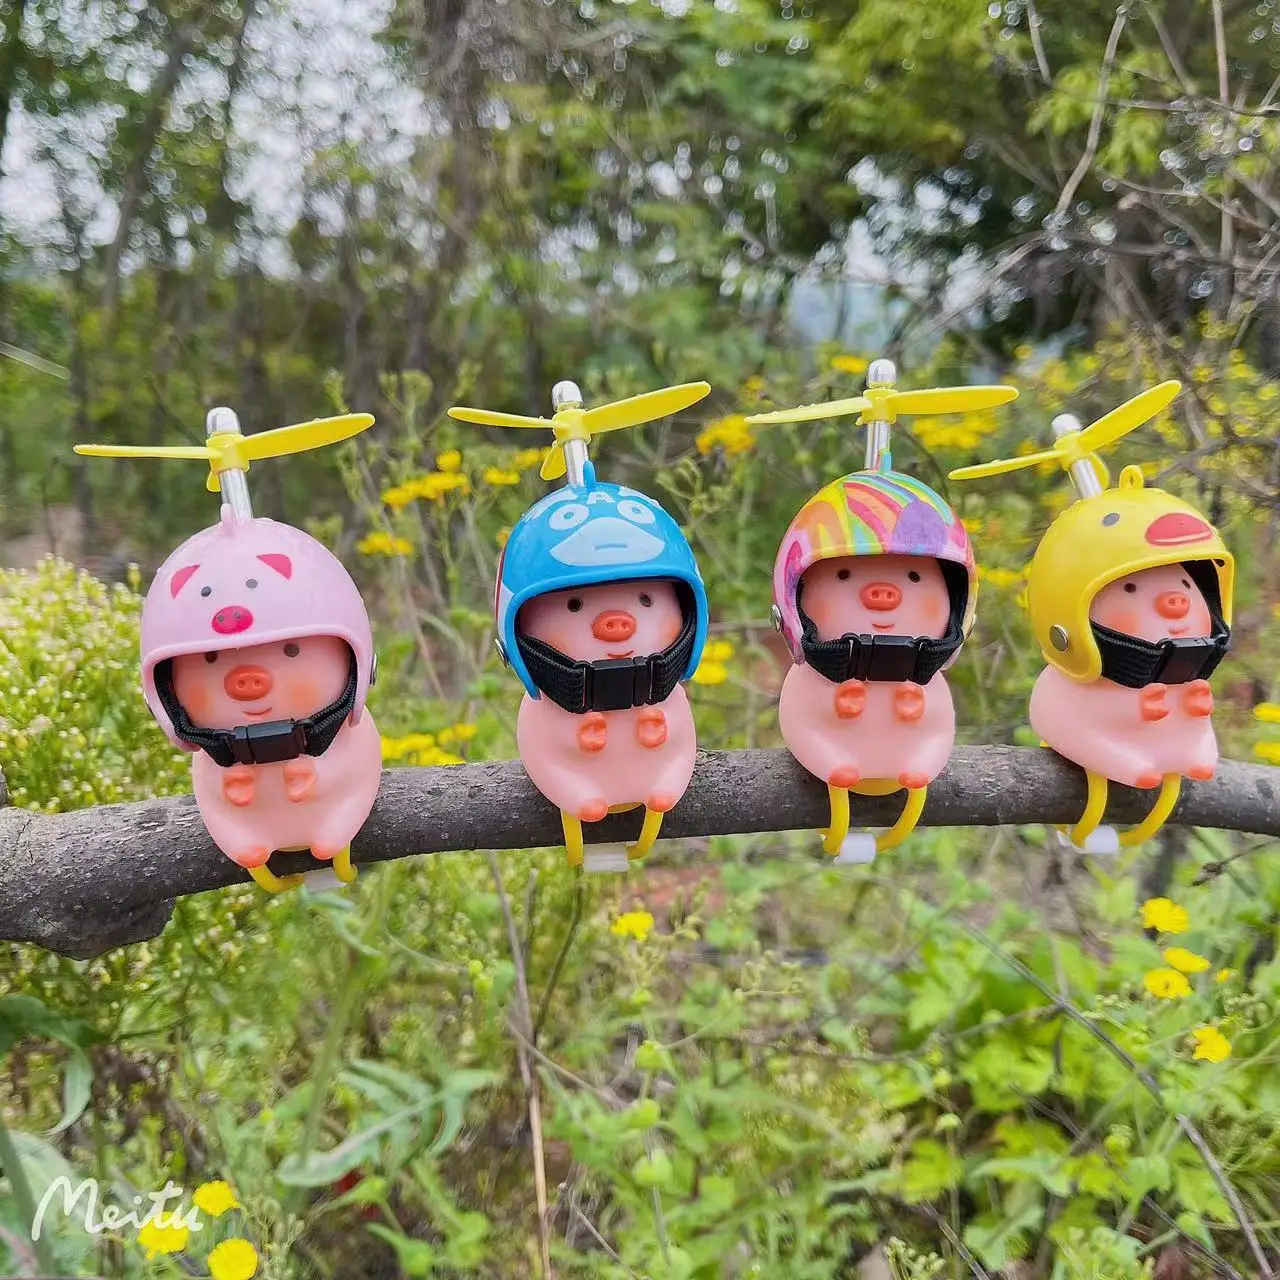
x: 416, y: 1257
x: 1148, y: 1173
x: 930, y: 1170
x: 77, y: 1079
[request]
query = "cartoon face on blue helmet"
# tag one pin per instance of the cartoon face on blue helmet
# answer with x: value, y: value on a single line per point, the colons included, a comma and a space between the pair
x: 582, y: 536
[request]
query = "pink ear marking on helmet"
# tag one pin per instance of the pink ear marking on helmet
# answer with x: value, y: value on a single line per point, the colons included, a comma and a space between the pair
x: 280, y: 563
x: 181, y: 578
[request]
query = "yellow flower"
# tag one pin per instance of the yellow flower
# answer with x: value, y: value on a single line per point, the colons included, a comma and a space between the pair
x: 502, y: 535
x: 1268, y: 751
x: 1267, y: 712
x: 732, y: 434
x: 999, y: 578
x: 215, y: 1198
x: 1022, y: 352
x: 850, y: 364
x: 718, y: 651
x: 752, y: 388
x: 397, y: 497
x: 1224, y: 975
x: 233, y: 1259
x: 381, y: 543
x: 496, y: 476
x: 523, y: 459
x: 1211, y: 1045
x: 1167, y: 984
x: 1168, y: 917
x: 449, y: 460
x: 1184, y: 961
x: 632, y: 924
x: 435, y: 484
x: 464, y: 732
x: 169, y: 1238
x: 710, y: 673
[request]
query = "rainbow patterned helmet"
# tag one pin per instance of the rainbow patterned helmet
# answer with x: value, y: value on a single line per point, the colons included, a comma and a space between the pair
x: 873, y: 513
x: 249, y: 582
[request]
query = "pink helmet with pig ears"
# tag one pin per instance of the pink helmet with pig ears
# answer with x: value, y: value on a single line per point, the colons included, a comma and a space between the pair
x: 249, y: 582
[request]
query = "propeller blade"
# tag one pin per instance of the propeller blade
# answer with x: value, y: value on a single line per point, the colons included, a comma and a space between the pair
x: 646, y: 407
x: 193, y: 451
x: 1129, y: 416
x: 490, y: 418
x: 951, y: 399
x: 304, y: 435
x: 812, y: 412
x: 999, y: 466
x: 553, y: 465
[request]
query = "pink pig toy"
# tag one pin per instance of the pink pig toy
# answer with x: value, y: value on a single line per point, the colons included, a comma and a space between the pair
x: 1129, y: 597
x: 873, y: 591
x: 257, y: 657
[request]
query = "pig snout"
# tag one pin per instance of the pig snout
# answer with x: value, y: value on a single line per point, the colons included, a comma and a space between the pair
x: 881, y: 596
x: 247, y: 684
x: 231, y: 619
x: 613, y: 626
x: 1173, y: 604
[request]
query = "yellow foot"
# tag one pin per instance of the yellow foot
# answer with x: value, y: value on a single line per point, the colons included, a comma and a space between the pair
x: 572, y: 838
x: 906, y: 822
x: 342, y: 867
x: 648, y: 834
x: 833, y: 836
x: 272, y: 883
x: 1095, y: 807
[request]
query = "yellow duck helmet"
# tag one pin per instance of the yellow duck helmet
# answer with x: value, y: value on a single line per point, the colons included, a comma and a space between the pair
x: 1104, y: 537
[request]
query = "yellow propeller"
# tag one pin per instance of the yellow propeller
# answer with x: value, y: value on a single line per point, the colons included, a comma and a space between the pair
x: 233, y: 451
x: 884, y: 404
x: 572, y: 422
x: 1080, y: 446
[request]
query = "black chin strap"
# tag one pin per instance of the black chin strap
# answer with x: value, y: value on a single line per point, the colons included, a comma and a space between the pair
x: 269, y: 743
x: 611, y: 684
x: 892, y: 659
x: 1135, y: 663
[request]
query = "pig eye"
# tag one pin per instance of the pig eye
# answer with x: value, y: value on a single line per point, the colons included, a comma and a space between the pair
x: 1130, y: 587
x: 291, y: 650
x: 1112, y: 517
x: 251, y: 583
x: 569, y: 516
x: 206, y: 591
x: 914, y: 576
x: 1185, y: 583
x: 646, y: 599
x: 842, y: 574
x: 634, y: 511
x: 211, y: 657
x: 575, y: 604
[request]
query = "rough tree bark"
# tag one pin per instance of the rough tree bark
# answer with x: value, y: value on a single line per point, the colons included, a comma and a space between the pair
x: 83, y: 882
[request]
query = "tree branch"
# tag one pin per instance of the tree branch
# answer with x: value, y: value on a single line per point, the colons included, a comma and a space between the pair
x: 83, y: 882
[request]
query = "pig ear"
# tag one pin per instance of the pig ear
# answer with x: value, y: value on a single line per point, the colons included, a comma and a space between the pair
x: 181, y: 578
x: 280, y: 563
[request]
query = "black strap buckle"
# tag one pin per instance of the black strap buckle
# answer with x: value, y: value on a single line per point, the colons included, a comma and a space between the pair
x: 614, y: 684
x: 1181, y: 660
x: 269, y: 743
x: 887, y: 658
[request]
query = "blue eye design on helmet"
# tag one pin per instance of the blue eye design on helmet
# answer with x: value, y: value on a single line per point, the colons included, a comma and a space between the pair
x: 588, y: 535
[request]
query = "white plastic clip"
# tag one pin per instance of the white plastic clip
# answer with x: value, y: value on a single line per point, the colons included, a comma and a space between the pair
x: 321, y: 880
x: 605, y: 858
x: 858, y: 850
x: 1103, y: 842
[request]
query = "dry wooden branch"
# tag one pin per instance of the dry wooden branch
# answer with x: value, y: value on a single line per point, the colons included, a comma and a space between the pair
x: 83, y: 882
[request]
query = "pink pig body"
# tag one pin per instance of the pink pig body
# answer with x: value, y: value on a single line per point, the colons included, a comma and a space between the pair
x: 1135, y: 736
x: 314, y: 802
x: 588, y: 764
x: 860, y: 731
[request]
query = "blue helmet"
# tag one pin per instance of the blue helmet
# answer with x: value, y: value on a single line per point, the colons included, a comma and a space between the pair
x: 582, y: 536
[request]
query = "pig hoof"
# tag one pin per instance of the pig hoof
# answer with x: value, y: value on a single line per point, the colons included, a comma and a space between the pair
x: 593, y: 733
x: 250, y: 857
x: 651, y: 728
x: 1151, y: 704
x: 913, y: 781
x: 1147, y: 780
x: 908, y: 702
x: 238, y: 785
x: 1198, y: 699
x: 851, y: 699
x: 592, y: 811
x: 846, y: 776
x: 299, y: 780
x: 1202, y: 772
x: 661, y: 802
